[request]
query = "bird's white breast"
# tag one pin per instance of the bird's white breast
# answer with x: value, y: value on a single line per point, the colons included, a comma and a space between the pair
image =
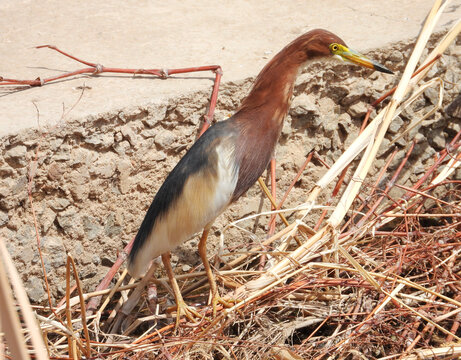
x: 205, y: 195
x: 227, y: 178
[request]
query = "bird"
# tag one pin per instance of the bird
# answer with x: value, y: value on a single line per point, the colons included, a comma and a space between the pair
x: 227, y: 160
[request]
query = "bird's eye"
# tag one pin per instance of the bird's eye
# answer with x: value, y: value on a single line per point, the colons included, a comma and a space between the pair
x: 334, y: 47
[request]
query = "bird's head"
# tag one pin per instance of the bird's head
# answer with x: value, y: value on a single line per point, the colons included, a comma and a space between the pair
x: 279, y: 74
x: 322, y: 43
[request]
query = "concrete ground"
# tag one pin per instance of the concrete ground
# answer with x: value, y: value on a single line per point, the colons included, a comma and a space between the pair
x: 238, y: 35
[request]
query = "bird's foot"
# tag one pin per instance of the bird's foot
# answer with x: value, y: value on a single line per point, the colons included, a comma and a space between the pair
x: 217, y: 299
x: 190, y: 313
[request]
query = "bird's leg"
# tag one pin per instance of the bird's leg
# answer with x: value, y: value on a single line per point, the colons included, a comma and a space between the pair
x: 215, y: 297
x: 182, y: 308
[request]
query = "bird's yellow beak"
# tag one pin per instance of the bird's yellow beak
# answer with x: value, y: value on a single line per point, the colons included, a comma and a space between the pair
x: 344, y: 53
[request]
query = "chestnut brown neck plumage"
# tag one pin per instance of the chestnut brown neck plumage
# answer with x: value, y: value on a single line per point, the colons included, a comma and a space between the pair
x: 260, y: 117
x: 271, y: 93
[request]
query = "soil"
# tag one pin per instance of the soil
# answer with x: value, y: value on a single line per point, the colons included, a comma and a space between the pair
x: 99, y: 166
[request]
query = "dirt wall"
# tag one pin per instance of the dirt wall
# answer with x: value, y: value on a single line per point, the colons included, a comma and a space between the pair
x: 95, y: 178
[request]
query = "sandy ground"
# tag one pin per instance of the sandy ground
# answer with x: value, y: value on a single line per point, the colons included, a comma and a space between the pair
x: 238, y: 35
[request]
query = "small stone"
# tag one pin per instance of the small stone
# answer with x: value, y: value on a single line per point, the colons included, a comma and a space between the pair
x: 437, y: 139
x: 47, y: 219
x: 118, y: 136
x: 51, y: 243
x: 154, y: 156
x: 16, y: 156
x: 326, y: 106
x: 174, y: 258
x: 129, y: 134
x: 110, y: 227
x: 401, y: 142
x: 3, y: 218
x: 432, y: 94
x: 418, y: 169
x: 85, y: 259
x: 79, y: 188
x: 322, y: 143
x: 395, y: 125
x: 330, y: 126
x: 305, y: 113
x: 451, y: 77
x: 186, y: 268
x: 79, y: 130
x: 79, y: 192
x: 384, y: 147
x: 454, y: 126
x: 69, y: 221
x: 47, y: 264
x: 156, y: 115
x: 88, y: 271
x: 303, y: 104
x: 379, y: 163
x: 92, y: 227
x: 338, y: 91
x: 63, y: 154
x: 434, y: 122
x: 96, y: 259
x: 124, y: 168
x: 419, y: 104
x: 454, y: 49
x: 102, y: 141
x: 413, y: 133
x: 107, y: 140
x: 122, y: 147
x: 428, y: 153
x: 55, y: 143
x: 27, y: 255
x: 12, y: 192
x: 195, y: 119
x: 107, y: 261
x: 6, y: 171
x: 122, y: 116
x: 304, y: 78
x: 105, y: 166
x: 82, y: 156
x: 454, y: 109
x: 35, y: 290
x: 164, y: 139
x: 356, y: 92
x: 56, y: 251
x: 457, y: 174
x: 55, y: 171
x: 395, y: 56
x: 149, y: 133
x: 24, y: 235
x: 344, y: 120
x: 59, y: 204
x: 286, y: 129
x: 352, y: 135
x: 358, y: 110
x: 78, y: 249
x: 418, y: 138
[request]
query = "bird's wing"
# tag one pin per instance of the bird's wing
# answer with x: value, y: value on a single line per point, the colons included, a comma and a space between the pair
x: 196, y: 191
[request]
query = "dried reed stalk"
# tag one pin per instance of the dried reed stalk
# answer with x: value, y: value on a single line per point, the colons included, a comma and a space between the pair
x: 10, y: 324
x: 24, y: 304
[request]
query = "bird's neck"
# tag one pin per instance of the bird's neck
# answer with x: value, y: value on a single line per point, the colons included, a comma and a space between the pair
x: 270, y: 96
